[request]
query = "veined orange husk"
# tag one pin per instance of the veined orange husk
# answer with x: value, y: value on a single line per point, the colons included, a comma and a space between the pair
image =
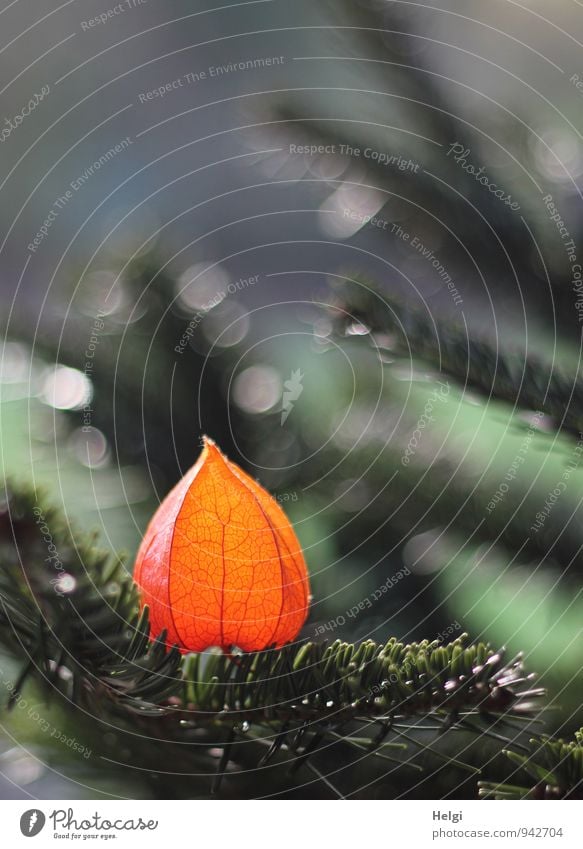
x: 220, y: 564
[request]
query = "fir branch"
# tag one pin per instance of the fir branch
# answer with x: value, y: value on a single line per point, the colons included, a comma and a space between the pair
x: 552, y: 770
x: 82, y: 637
x: 524, y: 381
x: 343, y: 682
x: 71, y: 610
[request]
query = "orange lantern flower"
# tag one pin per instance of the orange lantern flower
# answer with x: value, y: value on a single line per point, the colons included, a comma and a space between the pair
x: 220, y: 564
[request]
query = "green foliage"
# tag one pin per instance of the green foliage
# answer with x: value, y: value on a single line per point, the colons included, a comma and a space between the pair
x: 527, y: 382
x: 75, y: 609
x: 553, y: 770
x: 82, y: 638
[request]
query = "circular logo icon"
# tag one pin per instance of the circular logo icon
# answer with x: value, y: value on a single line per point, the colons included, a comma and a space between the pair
x: 32, y: 822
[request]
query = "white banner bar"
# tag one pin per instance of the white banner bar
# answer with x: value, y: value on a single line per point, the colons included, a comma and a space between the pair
x: 295, y: 823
